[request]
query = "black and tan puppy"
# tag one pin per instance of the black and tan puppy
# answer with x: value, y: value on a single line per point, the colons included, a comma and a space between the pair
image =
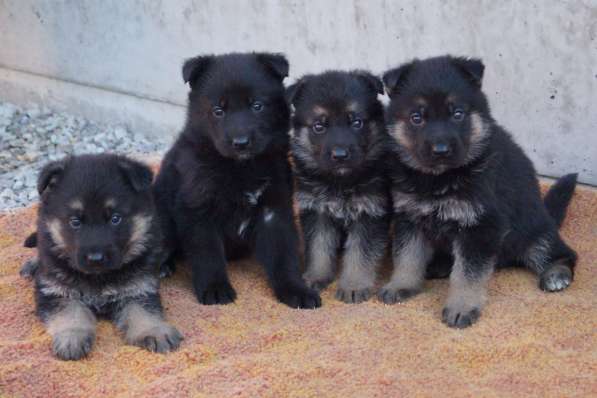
x: 462, y: 186
x: 98, y: 248
x: 225, y: 187
x: 339, y: 148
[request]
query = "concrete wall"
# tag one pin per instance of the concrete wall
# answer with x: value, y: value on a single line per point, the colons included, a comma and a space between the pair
x: 120, y: 60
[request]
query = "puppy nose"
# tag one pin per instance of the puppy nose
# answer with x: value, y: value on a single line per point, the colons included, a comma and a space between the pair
x: 95, y: 256
x: 339, y: 154
x: 440, y: 149
x: 240, y: 142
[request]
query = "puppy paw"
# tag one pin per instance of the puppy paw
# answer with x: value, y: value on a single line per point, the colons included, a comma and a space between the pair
x: 317, y: 282
x: 72, y: 344
x: 460, y: 317
x: 161, y: 338
x: 29, y: 268
x: 167, y: 269
x: 556, y: 278
x: 353, y: 296
x: 297, y: 295
x: 216, y: 293
x: 393, y: 295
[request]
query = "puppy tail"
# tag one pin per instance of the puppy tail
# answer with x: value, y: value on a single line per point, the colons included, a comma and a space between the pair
x: 31, y: 240
x: 558, y: 197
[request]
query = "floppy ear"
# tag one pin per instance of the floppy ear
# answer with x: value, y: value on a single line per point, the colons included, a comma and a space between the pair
x: 276, y: 64
x: 372, y: 81
x: 138, y: 175
x: 394, y: 78
x: 473, y: 69
x: 193, y: 68
x: 49, y: 176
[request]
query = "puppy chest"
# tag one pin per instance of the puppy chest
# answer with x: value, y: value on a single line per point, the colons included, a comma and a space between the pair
x: 342, y: 206
x: 443, y: 209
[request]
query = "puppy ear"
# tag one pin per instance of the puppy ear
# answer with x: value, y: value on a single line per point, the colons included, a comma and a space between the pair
x: 394, y: 78
x: 372, y: 81
x: 473, y: 69
x: 293, y: 91
x: 276, y: 64
x: 49, y: 176
x: 193, y: 68
x: 138, y: 175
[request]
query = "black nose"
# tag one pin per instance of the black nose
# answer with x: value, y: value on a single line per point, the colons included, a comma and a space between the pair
x: 240, y: 142
x: 95, y: 256
x: 440, y: 150
x: 339, y: 154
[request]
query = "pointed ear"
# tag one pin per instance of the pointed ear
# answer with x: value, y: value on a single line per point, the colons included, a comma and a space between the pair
x: 276, y: 64
x: 372, y: 81
x: 293, y: 91
x: 138, y: 175
x: 473, y: 69
x: 193, y: 68
x: 394, y: 78
x: 50, y: 176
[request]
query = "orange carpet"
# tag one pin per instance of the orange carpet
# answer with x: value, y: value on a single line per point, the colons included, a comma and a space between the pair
x: 527, y: 343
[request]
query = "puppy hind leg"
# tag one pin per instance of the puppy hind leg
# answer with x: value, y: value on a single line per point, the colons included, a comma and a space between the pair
x: 321, y: 244
x: 411, y: 254
x: 553, y: 261
x: 363, y: 251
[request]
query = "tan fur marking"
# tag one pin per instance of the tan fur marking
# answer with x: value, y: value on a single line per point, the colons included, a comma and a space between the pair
x: 55, y: 229
x: 319, y: 111
x: 398, y: 130
x: 137, y: 321
x: 321, y: 255
x: 76, y: 204
x: 410, y: 263
x: 479, y: 128
x: 139, y: 236
x: 352, y: 107
x: 110, y: 203
x: 74, y: 315
x: 357, y: 271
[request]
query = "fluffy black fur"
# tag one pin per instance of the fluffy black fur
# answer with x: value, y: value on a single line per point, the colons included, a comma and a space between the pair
x: 98, y: 254
x: 461, y: 185
x: 339, y: 147
x: 225, y: 188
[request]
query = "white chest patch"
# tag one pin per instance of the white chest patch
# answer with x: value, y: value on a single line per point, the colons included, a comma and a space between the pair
x: 346, y: 208
x: 243, y: 226
x: 464, y: 212
x: 253, y: 197
x: 268, y: 215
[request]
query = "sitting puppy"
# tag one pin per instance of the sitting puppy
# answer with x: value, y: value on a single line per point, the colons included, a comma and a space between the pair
x: 462, y: 186
x: 339, y: 147
x: 225, y: 188
x: 97, y: 240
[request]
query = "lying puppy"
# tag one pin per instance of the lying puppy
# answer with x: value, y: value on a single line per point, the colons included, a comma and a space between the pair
x: 339, y: 149
x: 225, y: 188
x: 98, y: 254
x: 464, y: 187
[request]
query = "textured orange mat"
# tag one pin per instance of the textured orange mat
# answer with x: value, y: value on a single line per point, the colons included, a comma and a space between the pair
x: 527, y: 343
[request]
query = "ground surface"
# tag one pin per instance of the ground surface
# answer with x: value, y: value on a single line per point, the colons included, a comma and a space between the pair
x: 33, y: 136
x: 527, y: 343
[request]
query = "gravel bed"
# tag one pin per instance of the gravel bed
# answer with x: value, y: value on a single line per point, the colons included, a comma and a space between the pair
x: 33, y: 136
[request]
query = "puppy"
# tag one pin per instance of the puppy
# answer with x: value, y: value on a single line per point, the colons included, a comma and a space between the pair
x: 225, y: 188
x: 98, y: 254
x: 339, y: 148
x: 462, y: 186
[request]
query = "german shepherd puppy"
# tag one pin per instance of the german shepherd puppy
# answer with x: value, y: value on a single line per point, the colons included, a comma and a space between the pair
x: 98, y: 254
x: 339, y: 147
x: 225, y: 188
x: 463, y: 186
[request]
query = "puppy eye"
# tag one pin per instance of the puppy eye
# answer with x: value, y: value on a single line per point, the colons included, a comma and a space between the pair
x: 318, y: 128
x: 218, y: 112
x: 116, y: 219
x: 458, y: 114
x: 257, y: 106
x: 416, y: 118
x: 357, y: 124
x: 75, y: 223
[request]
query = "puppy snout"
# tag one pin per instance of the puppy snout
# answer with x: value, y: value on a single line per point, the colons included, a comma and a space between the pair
x: 340, y: 154
x: 440, y: 150
x: 240, y: 143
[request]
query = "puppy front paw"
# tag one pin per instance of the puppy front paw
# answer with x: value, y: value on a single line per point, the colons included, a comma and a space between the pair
x: 393, y: 295
x: 460, y: 316
x: 555, y: 278
x: 161, y: 338
x: 298, y: 295
x: 72, y: 344
x: 216, y: 293
x: 353, y: 296
x: 317, y: 282
x: 167, y: 269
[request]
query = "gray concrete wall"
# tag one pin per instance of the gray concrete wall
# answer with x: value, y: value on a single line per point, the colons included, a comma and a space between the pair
x: 120, y: 61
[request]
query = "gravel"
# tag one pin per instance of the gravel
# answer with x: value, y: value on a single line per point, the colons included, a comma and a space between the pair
x: 33, y: 136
